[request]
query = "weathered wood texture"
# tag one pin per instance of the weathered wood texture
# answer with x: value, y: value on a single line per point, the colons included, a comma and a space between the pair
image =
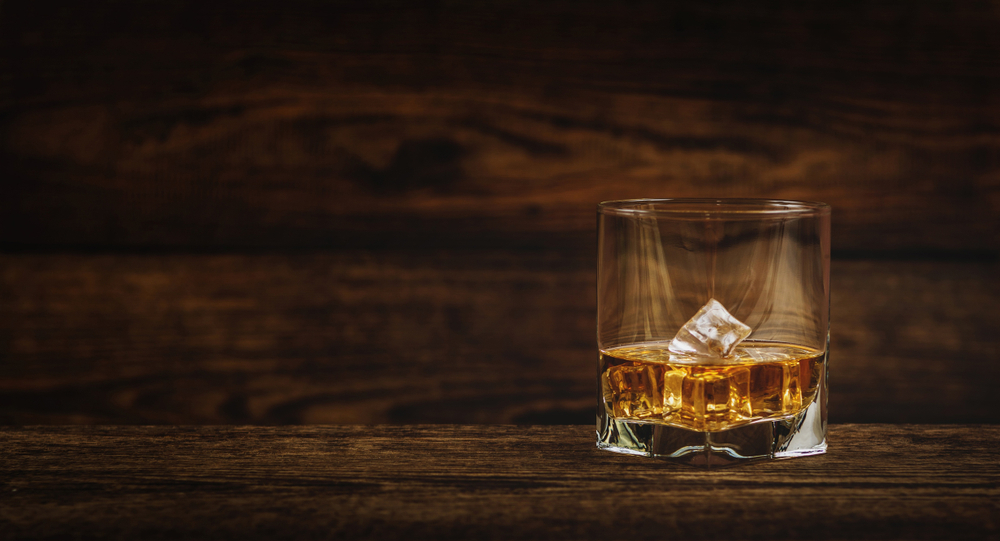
x: 497, y: 124
x: 469, y: 142
x: 426, y: 337
x: 501, y: 482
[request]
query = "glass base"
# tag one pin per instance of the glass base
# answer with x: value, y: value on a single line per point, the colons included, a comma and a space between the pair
x: 801, y: 435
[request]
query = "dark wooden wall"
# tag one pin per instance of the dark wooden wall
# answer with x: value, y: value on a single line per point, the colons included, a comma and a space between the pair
x: 312, y: 212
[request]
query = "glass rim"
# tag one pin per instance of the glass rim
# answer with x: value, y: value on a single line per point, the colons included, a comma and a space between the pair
x: 719, y: 208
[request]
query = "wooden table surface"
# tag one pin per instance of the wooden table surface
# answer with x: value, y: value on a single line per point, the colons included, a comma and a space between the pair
x: 484, y: 482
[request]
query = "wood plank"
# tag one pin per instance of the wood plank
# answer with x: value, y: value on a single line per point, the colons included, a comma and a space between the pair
x: 479, y: 482
x: 448, y: 337
x: 499, y: 124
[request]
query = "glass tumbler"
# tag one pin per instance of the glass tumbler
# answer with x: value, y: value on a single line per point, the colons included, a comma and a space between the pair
x: 713, y: 328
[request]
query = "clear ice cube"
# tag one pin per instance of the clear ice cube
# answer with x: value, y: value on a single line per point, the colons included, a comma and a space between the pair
x: 633, y: 391
x: 712, y: 332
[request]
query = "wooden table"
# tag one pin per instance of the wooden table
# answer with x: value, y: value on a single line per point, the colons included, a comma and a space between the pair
x: 484, y: 482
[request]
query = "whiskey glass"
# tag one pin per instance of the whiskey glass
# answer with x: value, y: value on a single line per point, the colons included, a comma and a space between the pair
x: 713, y: 328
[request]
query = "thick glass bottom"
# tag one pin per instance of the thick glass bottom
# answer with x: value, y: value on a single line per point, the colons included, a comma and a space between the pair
x: 803, y: 434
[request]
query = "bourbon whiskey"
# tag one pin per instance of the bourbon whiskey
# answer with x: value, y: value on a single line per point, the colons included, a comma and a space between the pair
x: 758, y: 381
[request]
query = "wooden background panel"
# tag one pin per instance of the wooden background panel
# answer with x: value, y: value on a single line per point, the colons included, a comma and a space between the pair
x: 481, y: 337
x: 325, y: 338
x: 264, y: 212
x: 500, y: 124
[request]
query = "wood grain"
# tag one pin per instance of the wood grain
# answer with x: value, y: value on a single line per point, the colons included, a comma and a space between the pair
x: 299, y: 212
x: 475, y: 337
x: 476, y: 482
x: 497, y: 124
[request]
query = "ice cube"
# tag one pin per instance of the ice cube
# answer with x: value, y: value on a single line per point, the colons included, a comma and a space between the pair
x: 712, y: 332
x: 633, y: 391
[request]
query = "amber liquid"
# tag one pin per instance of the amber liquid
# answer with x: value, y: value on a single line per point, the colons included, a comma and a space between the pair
x: 759, y: 381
